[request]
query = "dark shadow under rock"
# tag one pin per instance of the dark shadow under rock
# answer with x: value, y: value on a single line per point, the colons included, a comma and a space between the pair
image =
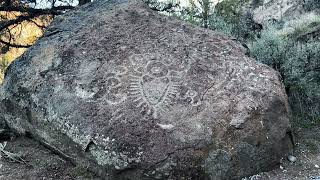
x: 39, y: 163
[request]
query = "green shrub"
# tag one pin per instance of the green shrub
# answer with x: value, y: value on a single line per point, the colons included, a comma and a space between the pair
x: 311, y: 4
x: 218, y: 23
x: 231, y: 10
x: 299, y: 66
x: 270, y: 48
x: 190, y: 13
x: 243, y: 25
x: 298, y: 29
x: 256, y: 3
x: 302, y: 71
x: 246, y: 29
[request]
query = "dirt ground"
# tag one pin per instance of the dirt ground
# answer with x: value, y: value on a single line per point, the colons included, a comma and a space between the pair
x: 37, y: 162
x: 307, y: 165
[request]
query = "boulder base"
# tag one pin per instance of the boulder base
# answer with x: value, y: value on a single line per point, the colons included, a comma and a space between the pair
x: 132, y: 94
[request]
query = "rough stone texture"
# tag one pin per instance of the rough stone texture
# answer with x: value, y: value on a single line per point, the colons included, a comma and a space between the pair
x: 132, y: 94
x: 277, y: 10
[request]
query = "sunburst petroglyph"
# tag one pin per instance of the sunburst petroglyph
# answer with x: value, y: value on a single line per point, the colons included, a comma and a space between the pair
x: 153, y: 83
x: 154, y: 90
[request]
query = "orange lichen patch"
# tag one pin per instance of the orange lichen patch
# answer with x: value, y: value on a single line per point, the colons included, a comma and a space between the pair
x: 24, y: 33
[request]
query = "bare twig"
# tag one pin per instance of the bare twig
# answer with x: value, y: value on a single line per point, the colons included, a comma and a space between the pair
x: 15, y: 45
x: 9, y: 155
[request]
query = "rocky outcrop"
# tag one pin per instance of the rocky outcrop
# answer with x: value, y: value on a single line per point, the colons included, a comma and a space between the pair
x: 131, y: 94
x: 277, y: 10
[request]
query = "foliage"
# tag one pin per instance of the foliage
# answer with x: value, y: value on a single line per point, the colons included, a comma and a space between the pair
x: 190, y: 13
x: 312, y: 4
x: 256, y: 3
x: 270, y: 48
x: 246, y: 29
x: 231, y: 9
x: 166, y: 7
x: 206, y: 8
x: 297, y: 28
x: 232, y: 12
x: 299, y: 65
x: 197, y: 12
x: 218, y: 23
x: 302, y: 72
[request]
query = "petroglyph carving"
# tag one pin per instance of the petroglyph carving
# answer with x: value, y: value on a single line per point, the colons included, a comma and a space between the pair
x: 114, y: 85
x: 151, y: 82
x: 116, y: 115
x: 154, y: 90
x: 154, y: 83
x: 191, y: 96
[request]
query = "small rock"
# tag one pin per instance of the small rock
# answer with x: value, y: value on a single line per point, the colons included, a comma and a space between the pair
x: 292, y: 158
x: 281, y: 167
x: 315, y: 177
x: 317, y: 166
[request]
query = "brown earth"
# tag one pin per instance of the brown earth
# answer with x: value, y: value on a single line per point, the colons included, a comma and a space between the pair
x: 37, y: 162
x: 308, y: 159
x: 42, y: 163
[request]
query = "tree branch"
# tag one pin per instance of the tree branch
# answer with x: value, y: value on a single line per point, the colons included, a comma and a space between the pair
x: 25, y: 13
x: 19, y: 19
x: 32, y: 13
x: 14, y: 45
x: 22, y: 9
x: 34, y: 22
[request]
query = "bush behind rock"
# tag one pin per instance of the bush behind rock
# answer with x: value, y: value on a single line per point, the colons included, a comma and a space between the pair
x: 297, y: 62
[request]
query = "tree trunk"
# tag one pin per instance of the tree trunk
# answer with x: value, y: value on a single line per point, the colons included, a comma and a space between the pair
x: 82, y: 2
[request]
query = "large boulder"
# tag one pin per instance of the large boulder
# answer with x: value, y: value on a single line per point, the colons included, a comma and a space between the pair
x: 131, y: 94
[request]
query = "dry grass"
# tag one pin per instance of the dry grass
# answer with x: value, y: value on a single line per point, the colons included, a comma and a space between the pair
x: 13, y: 157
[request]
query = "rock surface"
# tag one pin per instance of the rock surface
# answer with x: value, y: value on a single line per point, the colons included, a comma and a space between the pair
x: 278, y: 10
x: 131, y: 94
